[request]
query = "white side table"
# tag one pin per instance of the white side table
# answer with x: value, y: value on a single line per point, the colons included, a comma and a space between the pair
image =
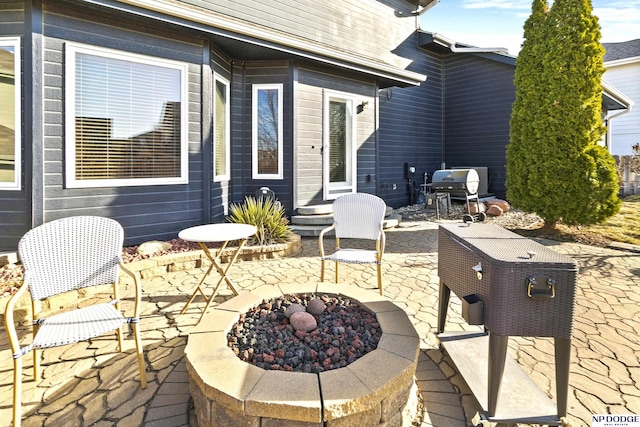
x: 216, y: 233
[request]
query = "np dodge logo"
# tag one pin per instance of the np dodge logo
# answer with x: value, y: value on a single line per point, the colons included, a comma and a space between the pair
x: 615, y: 420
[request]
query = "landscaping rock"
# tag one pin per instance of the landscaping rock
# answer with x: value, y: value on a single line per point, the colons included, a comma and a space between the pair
x: 474, y: 208
x: 303, y: 321
x: 494, y: 210
x: 294, y: 308
x: 316, y: 307
x: 153, y: 247
x: 503, y: 204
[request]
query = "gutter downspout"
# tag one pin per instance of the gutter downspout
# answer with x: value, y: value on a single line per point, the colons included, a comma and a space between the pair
x: 451, y: 44
x: 420, y: 10
x: 455, y: 49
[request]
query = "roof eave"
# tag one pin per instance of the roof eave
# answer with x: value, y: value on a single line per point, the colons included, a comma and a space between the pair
x: 209, y: 22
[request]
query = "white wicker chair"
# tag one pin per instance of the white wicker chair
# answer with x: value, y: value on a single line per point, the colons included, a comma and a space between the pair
x: 60, y: 256
x: 356, y: 216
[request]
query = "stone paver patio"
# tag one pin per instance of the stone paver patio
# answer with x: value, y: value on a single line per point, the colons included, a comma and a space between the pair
x: 92, y: 384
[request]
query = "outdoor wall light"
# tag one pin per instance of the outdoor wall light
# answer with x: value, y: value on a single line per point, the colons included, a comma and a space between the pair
x: 362, y: 106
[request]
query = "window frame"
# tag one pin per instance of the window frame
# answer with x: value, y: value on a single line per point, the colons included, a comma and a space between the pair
x: 16, y: 184
x: 331, y: 191
x: 254, y: 130
x: 227, y: 142
x: 71, y: 50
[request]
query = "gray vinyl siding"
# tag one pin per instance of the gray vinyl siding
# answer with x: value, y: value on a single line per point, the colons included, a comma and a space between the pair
x: 337, y: 24
x: 146, y: 212
x: 479, y: 95
x: 309, y: 89
x: 411, y: 129
x: 15, y: 205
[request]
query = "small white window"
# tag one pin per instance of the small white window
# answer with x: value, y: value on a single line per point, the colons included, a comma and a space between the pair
x: 126, y: 119
x: 267, y: 131
x: 10, y: 118
x: 221, y: 140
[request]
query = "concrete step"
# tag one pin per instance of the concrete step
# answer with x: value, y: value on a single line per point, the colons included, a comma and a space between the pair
x: 316, y: 209
x: 307, y: 230
x: 391, y: 221
x: 324, y: 219
x: 326, y: 209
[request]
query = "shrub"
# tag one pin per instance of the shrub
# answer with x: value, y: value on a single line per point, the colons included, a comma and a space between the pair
x: 555, y: 166
x: 267, y: 215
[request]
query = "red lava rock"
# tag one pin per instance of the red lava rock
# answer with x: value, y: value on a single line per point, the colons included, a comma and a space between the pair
x: 344, y: 332
x: 294, y: 308
x: 303, y: 321
x: 316, y: 307
x: 267, y: 358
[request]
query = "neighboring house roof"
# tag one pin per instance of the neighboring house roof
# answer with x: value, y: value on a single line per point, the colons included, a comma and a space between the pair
x: 622, y: 50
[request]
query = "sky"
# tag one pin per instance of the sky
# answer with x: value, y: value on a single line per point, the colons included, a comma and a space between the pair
x: 498, y: 23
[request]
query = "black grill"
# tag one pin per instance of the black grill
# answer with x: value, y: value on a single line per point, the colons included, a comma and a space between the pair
x: 455, y: 180
x: 464, y: 182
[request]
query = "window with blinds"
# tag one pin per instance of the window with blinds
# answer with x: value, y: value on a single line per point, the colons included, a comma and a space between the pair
x: 267, y: 131
x: 10, y: 118
x: 221, y: 142
x: 126, y: 119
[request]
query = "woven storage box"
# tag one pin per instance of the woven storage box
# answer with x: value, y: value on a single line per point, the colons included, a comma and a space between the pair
x: 497, y: 266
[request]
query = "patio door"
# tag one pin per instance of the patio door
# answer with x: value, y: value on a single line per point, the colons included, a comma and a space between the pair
x: 339, y: 151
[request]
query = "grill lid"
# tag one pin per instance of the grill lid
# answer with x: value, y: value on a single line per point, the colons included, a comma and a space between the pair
x: 447, y: 180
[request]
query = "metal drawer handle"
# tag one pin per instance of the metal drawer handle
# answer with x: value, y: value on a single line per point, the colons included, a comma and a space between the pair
x: 541, y: 287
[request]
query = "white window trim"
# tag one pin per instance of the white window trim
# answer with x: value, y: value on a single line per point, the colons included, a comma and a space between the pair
x: 227, y: 142
x: 70, y: 108
x: 333, y: 191
x: 16, y: 185
x: 254, y: 131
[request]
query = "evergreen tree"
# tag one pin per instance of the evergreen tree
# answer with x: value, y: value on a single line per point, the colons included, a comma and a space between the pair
x: 521, y: 152
x: 555, y: 166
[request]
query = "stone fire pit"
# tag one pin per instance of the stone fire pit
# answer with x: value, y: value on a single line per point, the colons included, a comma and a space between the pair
x: 377, y: 389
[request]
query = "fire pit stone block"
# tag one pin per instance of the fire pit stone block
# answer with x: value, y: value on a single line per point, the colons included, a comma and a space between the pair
x: 228, y: 391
